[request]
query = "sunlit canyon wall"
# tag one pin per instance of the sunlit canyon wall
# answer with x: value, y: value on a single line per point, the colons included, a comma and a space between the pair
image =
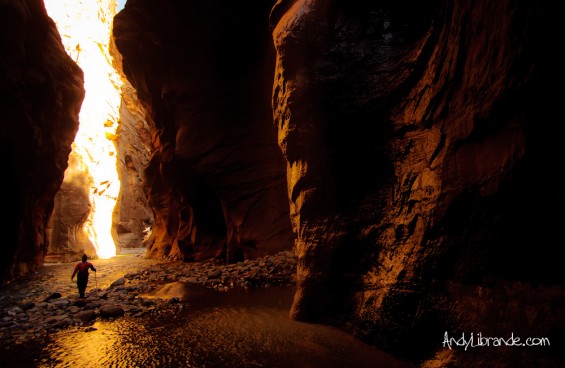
x: 41, y: 91
x: 132, y: 217
x: 93, y: 213
x: 217, y: 181
x: 422, y: 166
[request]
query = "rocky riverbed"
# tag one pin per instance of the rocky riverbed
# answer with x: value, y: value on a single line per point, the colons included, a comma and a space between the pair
x: 127, y: 285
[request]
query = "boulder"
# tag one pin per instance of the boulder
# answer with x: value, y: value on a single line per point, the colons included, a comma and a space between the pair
x: 111, y: 311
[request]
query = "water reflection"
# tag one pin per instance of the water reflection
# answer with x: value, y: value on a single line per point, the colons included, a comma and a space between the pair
x: 234, y: 329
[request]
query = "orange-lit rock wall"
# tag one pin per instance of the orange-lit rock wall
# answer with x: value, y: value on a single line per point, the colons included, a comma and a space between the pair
x: 203, y: 72
x: 420, y: 155
x: 132, y: 215
x: 41, y: 91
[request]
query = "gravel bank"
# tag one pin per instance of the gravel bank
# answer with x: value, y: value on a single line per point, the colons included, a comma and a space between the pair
x: 128, y: 285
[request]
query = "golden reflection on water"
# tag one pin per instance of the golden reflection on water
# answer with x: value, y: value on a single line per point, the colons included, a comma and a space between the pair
x: 218, y: 330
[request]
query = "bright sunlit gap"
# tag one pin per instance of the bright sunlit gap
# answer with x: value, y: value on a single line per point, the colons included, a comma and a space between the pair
x: 85, y: 31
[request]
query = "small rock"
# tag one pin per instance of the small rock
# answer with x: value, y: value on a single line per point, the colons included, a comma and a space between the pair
x: 148, y: 303
x: 52, y: 296
x: 111, y: 310
x: 215, y: 274
x: 80, y: 302
x: 119, y: 282
x: 14, y: 311
x: 55, y: 319
x: 63, y: 323
x: 87, y: 315
x: 73, y: 309
x: 61, y: 303
x: 90, y: 329
x: 27, y: 306
x: 92, y: 305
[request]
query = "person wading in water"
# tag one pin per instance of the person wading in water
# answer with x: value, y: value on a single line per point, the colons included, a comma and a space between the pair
x: 81, y: 270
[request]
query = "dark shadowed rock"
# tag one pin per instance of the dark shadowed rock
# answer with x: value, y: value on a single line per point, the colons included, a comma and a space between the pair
x: 111, y: 310
x: 52, y: 296
x: 92, y: 305
x: 63, y: 323
x: 80, y: 302
x: 86, y: 315
x: 27, y: 306
x: 41, y: 91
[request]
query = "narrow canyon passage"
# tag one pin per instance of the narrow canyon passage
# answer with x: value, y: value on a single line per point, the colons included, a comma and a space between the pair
x: 395, y: 162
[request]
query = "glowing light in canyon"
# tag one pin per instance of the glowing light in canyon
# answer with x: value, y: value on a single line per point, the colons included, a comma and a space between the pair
x: 85, y: 28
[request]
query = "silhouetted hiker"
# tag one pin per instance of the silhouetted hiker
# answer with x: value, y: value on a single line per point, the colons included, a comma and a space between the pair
x: 81, y: 270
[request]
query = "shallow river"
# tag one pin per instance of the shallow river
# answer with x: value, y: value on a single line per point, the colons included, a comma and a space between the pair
x: 234, y: 329
x: 237, y: 328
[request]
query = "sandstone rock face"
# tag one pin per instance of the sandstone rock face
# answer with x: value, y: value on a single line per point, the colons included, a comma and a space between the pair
x: 132, y: 216
x: 68, y: 239
x: 41, y: 91
x: 416, y: 147
x: 203, y: 72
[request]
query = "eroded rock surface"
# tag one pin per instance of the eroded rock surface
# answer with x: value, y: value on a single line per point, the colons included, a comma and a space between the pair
x: 132, y: 218
x: 416, y: 165
x: 216, y: 180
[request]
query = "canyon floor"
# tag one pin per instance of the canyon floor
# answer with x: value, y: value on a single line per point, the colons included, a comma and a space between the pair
x: 165, y: 313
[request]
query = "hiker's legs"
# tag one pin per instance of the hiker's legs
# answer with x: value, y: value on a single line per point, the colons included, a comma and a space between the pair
x: 81, y: 284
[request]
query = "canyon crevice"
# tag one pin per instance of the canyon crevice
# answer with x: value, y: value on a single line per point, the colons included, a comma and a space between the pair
x: 101, y: 207
x: 216, y: 180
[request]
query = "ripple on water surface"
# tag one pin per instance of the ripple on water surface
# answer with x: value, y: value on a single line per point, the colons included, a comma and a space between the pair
x: 234, y: 329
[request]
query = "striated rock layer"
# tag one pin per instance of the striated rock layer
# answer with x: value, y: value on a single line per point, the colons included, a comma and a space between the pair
x: 41, y: 91
x: 422, y: 168
x: 203, y: 72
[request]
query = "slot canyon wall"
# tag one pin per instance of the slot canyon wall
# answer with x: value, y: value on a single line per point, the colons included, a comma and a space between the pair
x: 132, y: 217
x: 422, y: 169
x: 203, y: 72
x: 418, y: 158
x: 41, y: 91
